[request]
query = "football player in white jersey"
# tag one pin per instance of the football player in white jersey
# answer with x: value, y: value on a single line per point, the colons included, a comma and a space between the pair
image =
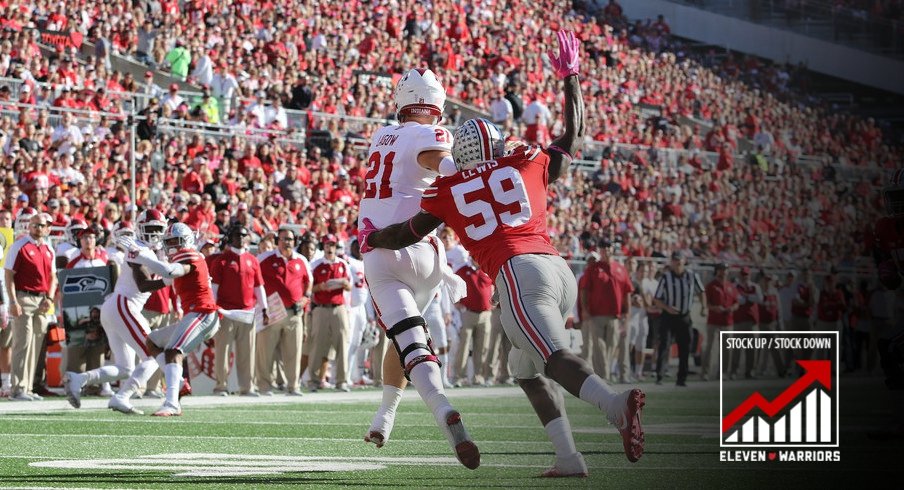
x: 357, y: 313
x: 126, y: 327
x: 68, y: 249
x: 404, y: 160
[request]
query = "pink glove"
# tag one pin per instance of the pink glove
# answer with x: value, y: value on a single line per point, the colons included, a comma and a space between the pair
x: 365, y: 232
x: 567, y: 63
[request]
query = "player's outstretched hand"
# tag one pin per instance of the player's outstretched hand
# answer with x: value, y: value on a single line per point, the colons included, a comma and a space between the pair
x: 568, y: 62
x: 128, y: 244
x: 364, y: 233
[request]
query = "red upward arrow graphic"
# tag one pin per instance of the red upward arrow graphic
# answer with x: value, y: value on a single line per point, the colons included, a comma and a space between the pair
x: 820, y: 371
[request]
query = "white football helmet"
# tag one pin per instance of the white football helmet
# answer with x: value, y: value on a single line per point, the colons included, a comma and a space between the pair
x: 477, y: 141
x: 151, y: 226
x: 123, y: 228
x: 73, y: 228
x: 23, y: 219
x: 178, y: 237
x: 419, y: 93
x: 893, y: 194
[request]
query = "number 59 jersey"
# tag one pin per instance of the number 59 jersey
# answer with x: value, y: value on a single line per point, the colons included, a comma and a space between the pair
x: 497, y: 209
x: 395, y: 181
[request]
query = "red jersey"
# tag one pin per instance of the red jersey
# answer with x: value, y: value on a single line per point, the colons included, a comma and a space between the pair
x: 749, y: 312
x: 498, y: 209
x: 193, y: 288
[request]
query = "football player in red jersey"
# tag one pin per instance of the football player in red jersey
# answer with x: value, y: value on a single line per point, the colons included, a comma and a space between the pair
x: 188, y: 271
x: 497, y: 206
x: 889, y: 257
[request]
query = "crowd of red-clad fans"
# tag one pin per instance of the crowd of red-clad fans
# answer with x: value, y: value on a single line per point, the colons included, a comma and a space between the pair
x: 755, y: 203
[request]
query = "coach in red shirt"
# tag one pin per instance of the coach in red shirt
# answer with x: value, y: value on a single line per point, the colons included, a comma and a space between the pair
x: 332, y: 277
x: 240, y: 273
x: 722, y: 297
x: 475, y: 309
x: 607, y: 301
x: 831, y: 305
x: 30, y: 285
x: 287, y: 273
x: 746, y: 319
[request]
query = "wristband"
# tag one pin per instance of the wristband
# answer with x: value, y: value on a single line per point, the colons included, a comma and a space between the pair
x: 447, y: 166
x: 560, y: 150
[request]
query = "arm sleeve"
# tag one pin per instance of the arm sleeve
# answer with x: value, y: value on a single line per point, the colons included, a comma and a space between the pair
x: 261, y: 297
x: 163, y: 269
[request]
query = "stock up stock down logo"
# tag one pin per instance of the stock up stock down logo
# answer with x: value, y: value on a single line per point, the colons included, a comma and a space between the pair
x: 778, y: 414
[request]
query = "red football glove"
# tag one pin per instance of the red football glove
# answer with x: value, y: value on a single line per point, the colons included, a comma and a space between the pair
x: 363, y: 233
x: 567, y: 63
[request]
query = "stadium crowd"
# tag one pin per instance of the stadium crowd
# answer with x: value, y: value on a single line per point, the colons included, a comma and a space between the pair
x: 754, y: 202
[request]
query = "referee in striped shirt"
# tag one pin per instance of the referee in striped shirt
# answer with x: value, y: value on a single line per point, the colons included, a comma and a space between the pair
x: 674, y: 295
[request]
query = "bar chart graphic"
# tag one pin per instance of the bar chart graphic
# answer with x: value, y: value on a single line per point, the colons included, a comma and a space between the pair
x: 803, y: 415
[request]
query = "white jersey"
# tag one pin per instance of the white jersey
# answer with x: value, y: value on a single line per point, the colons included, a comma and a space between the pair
x: 68, y: 250
x: 116, y: 256
x: 126, y: 285
x: 359, y: 293
x: 395, y: 182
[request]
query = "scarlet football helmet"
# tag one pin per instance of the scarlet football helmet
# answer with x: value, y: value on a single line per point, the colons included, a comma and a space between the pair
x: 178, y: 237
x: 477, y: 141
x: 151, y: 226
x: 419, y: 93
x: 893, y: 194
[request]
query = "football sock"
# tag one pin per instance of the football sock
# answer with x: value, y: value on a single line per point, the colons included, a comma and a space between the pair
x: 429, y: 384
x: 384, y: 419
x: 172, y: 372
x: 5, y: 380
x: 595, y: 391
x: 559, y: 432
x: 139, y: 377
x: 103, y: 374
x: 444, y: 359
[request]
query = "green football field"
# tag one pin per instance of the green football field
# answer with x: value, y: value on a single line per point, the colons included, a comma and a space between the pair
x: 316, y: 440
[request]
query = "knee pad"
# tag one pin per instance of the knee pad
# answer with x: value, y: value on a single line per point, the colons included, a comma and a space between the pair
x: 403, y: 326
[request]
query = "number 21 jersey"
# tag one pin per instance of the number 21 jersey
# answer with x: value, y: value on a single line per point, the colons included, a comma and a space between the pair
x: 498, y: 209
x: 395, y: 181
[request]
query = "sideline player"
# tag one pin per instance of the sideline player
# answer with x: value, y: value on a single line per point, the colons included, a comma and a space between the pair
x: 497, y: 206
x: 125, y: 325
x: 403, y: 161
x: 187, y: 269
x: 889, y: 258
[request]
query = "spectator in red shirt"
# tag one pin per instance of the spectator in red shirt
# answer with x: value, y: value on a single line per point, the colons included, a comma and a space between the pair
x: 607, y: 301
x: 475, y: 310
x: 722, y: 297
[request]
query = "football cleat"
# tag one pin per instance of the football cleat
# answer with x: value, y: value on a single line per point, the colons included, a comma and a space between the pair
x: 186, y: 388
x: 465, y: 449
x: 167, y: 410
x: 573, y: 467
x: 120, y: 404
x: 626, y: 418
x: 73, y: 385
x: 376, y: 437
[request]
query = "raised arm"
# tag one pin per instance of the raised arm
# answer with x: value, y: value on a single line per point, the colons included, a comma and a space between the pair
x: 399, y: 235
x: 566, y: 67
